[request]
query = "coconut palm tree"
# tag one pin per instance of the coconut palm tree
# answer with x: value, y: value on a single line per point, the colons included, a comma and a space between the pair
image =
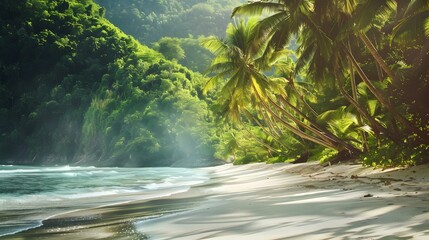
x: 412, y: 21
x: 242, y: 58
x: 325, y: 27
x: 237, y: 59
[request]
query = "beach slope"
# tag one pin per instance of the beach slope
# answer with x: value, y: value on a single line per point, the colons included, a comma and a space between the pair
x: 304, y: 201
x: 264, y: 202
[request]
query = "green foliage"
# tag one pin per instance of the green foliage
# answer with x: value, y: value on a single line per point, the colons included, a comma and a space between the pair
x: 170, y: 48
x: 369, y: 84
x: 389, y: 154
x: 342, y: 122
x: 174, y: 27
x: 149, y: 21
x: 155, y: 117
x: 76, y: 88
x: 322, y: 155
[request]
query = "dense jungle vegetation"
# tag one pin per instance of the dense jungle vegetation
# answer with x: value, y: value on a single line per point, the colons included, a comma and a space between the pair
x: 173, y: 27
x: 290, y: 80
x: 75, y: 88
x: 357, y: 85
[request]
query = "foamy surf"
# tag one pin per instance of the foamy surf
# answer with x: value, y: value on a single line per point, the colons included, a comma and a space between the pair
x: 29, y: 195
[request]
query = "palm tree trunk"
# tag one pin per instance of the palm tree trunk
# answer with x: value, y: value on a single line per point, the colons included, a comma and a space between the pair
x: 300, y: 113
x: 376, y: 126
x: 380, y: 97
x: 269, y: 133
x: 302, y: 99
x: 379, y: 73
x: 377, y: 93
x: 272, y: 124
x: 313, y: 130
x: 320, y: 129
x: 292, y: 128
x: 261, y: 141
x: 364, y: 137
x: 377, y: 57
x: 384, y: 101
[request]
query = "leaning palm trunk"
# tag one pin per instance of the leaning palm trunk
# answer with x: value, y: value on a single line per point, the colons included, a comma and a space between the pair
x: 271, y: 123
x: 298, y: 122
x: 267, y: 146
x: 380, y: 97
x: 390, y: 73
x: 302, y: 99
x: 362, y: 133
x: 383, y: 100
x: 293, y: 129
x: 376, y: 126
x: 377, y: 57
x: 318, y: 130
x: 300, y: 113
x: 272, y: 132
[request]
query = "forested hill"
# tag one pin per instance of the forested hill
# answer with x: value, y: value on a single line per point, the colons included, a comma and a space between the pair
x: 75, y: 88
x: 150, y: 20
x: 173, y: 27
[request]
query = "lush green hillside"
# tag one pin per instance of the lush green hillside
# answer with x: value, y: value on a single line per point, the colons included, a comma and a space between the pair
x: 179, y: 23
x: 74, y: 88
x: 151, y: 20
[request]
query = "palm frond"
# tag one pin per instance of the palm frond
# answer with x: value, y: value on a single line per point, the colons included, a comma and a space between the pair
x: 366, y: 11
x: 416, y: 6
x: 272, y: 22
x: 305, y: 56
x: 348, y: 6
x: 214, y: 44
x: 278, y: 86
x: 230, y: 86
x: 257, y: 8
x: 366, y: 129
x: 427, y: 27
x: 372, y: 106
x: 331, y: 114
x: 343, y: 125
x: 276, y: 56
x: 210, y: 84
x: 362, y: 89
x: 215, y: 80
x: 413, y: 25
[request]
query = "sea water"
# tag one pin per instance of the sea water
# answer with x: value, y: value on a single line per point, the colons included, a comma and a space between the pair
x: 29, y: 195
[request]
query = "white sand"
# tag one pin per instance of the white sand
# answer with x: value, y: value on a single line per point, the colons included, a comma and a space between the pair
x: 304, y: 201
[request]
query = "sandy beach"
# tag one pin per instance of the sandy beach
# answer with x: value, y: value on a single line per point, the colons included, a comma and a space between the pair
x: 305, y: 201
x: 260, y: 201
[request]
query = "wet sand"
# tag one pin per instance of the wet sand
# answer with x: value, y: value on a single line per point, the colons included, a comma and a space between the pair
x: 110, y: 222
x: 259, y: 201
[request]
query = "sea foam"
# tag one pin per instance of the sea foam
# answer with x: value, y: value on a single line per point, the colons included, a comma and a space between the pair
x: 28, y: 195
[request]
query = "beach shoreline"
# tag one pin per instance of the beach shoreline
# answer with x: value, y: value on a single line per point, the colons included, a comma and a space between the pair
x: 305, y: 201
x: 265, y: 201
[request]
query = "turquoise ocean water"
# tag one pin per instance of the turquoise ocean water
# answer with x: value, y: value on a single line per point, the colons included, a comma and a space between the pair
x: 29, y: 195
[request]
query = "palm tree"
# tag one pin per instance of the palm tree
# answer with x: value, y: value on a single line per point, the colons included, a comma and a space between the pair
x: 236, y: 59
x: 324, y: 27
x: 412, y: 19
x: 242, y: 58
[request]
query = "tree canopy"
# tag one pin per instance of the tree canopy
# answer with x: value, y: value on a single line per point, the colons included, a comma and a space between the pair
x: 353, y: 57
x: 75, y: 88
x: 290, y: 80
x: 180, y: 21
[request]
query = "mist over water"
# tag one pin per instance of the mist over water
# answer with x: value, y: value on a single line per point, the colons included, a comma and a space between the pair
x: 28, y: 195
